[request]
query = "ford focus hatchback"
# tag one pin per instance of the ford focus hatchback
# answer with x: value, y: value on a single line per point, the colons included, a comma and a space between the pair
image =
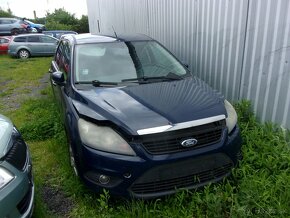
x: 138, y: 122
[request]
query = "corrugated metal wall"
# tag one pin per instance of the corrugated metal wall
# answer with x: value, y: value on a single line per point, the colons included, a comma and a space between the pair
x: 239, y: 47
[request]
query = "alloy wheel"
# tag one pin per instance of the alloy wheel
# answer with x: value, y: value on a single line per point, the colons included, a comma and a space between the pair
x: 23, y: 54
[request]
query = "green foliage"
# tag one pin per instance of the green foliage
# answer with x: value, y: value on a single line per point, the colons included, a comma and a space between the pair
x: 4, y: 13
x: 83, y: 25
x: 44, y: 122
x: 61, y: 16
x: 63, y: 20
x: 41, y: 20
x: 55, y: 25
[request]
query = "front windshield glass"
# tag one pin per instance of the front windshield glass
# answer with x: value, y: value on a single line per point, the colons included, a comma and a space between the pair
x: 117, y: 61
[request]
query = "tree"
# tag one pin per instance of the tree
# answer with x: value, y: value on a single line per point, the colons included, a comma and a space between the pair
x: 83, y: 25
x: 63, y: 20
x: 61, y: 16
x: 7, y: 13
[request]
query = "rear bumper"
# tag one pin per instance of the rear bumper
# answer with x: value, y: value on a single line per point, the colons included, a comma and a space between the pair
x: 12, y: 53
x: 148, y: 176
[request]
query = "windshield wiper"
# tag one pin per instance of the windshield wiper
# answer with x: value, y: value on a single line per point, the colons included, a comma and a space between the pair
x: 97, y: 83
x: 169, y: 76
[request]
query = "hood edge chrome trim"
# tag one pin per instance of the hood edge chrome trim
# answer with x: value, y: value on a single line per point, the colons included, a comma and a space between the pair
x: 177, y: 126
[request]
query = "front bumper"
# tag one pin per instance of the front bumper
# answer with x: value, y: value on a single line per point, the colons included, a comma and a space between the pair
x: 17, y: 197
x: 148, y: 176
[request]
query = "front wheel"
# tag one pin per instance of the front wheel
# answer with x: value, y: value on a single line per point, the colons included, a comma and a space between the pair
x: 73, y: 161
x: 23, y: 54
x: 14, y: 31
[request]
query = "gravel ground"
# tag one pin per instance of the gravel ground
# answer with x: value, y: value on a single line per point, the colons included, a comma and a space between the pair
x: 56, y: 201
x: 13, y: 100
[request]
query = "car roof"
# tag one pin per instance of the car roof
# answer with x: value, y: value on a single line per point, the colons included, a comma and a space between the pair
x: 29, y: 34
x: 32, y: 34
x: 6, y: 37
x: 96, y: 38
x: 8, y: 18
x: 58, y: 31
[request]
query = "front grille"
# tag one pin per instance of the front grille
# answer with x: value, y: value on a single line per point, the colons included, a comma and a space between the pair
x: 186, y: 174
x: 17, y: 154
x: 23, y: 205
x: 170, y: 142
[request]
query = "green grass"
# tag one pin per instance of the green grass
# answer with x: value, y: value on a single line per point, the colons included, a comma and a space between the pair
x: 259, y: 187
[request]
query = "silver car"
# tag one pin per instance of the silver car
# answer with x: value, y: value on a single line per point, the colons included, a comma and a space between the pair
x: 12, y: 26
x: 26, y: 45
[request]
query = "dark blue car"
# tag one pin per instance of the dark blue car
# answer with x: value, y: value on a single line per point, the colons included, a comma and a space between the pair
x: 138, y: 122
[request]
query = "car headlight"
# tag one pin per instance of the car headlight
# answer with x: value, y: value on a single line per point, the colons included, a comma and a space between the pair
x: 232, y: 116
x: 103, y: 138
x: 5, y: 177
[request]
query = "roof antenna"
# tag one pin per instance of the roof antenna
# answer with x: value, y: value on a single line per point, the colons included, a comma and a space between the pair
x: 114, y: 32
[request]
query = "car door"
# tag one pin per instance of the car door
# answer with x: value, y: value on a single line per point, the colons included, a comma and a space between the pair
x: 61, y: 63
x: 34, y: 44
x: 49, y: 44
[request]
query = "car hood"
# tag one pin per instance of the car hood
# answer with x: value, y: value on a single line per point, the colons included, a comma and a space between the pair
x: 6, y: 128
x: 151, y: 105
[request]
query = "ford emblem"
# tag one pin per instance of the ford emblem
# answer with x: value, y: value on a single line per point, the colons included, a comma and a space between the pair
x: 189, y: 142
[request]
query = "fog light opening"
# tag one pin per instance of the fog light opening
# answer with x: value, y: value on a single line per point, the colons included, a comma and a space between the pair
x: 103, y: 179
x: 127, y: 175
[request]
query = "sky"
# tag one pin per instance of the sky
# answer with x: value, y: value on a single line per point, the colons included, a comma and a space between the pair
x: 25, y: 8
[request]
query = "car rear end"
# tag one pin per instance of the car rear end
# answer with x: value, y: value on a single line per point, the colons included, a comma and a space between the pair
x: 16, y: 43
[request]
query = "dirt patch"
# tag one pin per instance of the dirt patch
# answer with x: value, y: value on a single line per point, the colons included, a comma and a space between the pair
x: 11, y: 99
x: 57, y: 202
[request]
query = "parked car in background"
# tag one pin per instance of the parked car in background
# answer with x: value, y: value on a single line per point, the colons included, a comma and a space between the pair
x: 26, y: 45
x: 138, y: 122
x: 38, y: 27
x: 4, y: 42
x: 12, y: 26
x: 16, y: 183
x: 58, y: 33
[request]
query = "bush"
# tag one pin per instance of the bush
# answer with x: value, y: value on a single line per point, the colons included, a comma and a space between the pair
x: 44, y: 120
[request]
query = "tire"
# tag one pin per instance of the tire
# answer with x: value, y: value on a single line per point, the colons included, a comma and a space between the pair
x: 72, y: 158
x: 14, y: 31
x: 23, y: 54
x: 39, y: 30
x: 73, y: 161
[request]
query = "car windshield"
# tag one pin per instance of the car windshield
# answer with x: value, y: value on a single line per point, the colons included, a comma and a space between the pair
x: 27, y: 21
x: 124, y: 61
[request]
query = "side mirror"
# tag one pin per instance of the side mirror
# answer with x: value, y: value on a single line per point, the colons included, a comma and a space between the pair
x: 57, y: 78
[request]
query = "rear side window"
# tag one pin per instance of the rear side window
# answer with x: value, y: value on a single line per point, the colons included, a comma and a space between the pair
x: 6, y: 21
x: 20, y: 39
x: 33, y: 39
x: 47, y: 39
x: 3, y: 40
